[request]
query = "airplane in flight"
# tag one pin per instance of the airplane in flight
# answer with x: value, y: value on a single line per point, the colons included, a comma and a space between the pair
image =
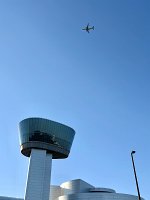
x: 88, y: 28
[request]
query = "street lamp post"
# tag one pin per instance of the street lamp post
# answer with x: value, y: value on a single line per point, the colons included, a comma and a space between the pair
x: 138, y: 191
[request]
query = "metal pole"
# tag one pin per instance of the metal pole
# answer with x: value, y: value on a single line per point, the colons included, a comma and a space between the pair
x: 138, y: 191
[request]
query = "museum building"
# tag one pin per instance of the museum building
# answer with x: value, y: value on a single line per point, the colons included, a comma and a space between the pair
x: 81, y: 190
x: 43, y: 140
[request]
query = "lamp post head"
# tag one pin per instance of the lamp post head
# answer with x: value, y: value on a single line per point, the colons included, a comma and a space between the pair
x: 133, y: 152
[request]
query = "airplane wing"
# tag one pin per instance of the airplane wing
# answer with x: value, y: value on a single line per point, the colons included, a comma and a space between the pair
x: 87, y: 27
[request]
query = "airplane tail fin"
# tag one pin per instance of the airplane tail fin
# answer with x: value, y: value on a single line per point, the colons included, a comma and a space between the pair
x: 93, y: 27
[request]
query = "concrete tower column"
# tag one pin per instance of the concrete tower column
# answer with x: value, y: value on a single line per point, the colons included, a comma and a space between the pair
x: 39, y: 174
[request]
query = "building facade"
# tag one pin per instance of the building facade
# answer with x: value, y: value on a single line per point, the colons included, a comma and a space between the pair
x: 81, y: 190
x: 43, y: 140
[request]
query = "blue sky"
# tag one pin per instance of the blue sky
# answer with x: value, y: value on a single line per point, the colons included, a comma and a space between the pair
x: 97, y: 83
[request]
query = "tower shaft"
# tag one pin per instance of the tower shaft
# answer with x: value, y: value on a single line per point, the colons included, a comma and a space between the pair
x: 39, y: 175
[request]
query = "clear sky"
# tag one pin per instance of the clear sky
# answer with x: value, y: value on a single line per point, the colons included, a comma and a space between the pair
x: 97, y: 83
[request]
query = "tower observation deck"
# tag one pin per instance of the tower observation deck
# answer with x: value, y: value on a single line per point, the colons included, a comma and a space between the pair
x: 43, y: 140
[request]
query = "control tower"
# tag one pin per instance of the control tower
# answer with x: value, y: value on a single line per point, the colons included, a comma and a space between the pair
x: 43, y: 140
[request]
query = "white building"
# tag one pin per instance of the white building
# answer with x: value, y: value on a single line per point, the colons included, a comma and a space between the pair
x: 81, y: 190
x: 43, y: 140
